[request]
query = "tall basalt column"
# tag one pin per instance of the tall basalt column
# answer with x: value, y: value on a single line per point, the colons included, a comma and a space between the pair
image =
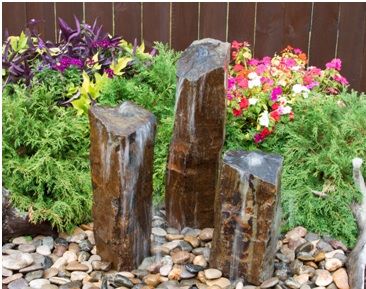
x: 248, y: 213
x: 121, y: 156
x: 199, y: 133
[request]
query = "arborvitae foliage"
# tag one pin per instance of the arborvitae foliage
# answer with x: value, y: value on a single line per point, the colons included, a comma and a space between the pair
x: 153, y: 88
x: 45, y: 156
x: 318, y: 148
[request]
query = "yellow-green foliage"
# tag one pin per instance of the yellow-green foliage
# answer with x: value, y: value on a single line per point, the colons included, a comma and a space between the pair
x: 45, y: 156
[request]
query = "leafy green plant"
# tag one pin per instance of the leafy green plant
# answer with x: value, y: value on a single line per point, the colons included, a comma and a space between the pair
x: 318, y: 150
x: 45, y: 156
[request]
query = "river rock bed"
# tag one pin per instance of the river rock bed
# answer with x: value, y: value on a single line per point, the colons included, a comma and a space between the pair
x: 178, y: 260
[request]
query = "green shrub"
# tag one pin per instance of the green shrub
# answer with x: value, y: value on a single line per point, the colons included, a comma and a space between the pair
x: 318, y: 148
x: 153, y: 88
x: 45, y: 156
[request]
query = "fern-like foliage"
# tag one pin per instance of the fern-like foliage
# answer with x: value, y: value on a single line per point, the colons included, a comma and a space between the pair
x: 318, y: 148
x: 153, y: 88
x: 45, y: 156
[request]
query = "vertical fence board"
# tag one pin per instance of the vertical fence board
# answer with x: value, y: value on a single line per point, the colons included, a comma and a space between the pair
x: 42, y: 11
x: 269, y: 31
x: 324, y: 33
x: 363, y: 68
x: 67, y: 10
x: 127, y: 20
x: 213, y: 20
x: 296, y: 25
x: 102, y: 12
x: 241, y: 22
x: 350, y: 47
x: 156, y: 23
x: 14, y: 25
x: 184, y: 24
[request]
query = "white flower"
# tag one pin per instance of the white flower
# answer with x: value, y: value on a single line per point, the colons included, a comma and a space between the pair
x: 286, y: 109
x: 255, y: 80
x: 296, y: 68
x: 297, y: 88
x: 264, y: 119
x: 252, y: 75
x: 252, y: 101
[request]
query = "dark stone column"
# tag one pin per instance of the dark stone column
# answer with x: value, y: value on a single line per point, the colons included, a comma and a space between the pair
x: 247, y: 215
x: 121, y: 153
x: 199, y: 133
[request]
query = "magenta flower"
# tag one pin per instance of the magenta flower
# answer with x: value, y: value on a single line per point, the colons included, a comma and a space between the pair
x: 297, y: 51
x: 261, y: 68
x: 290, y: 62
x: 334, y: 64
x: 65, y: 63
x: 231, y: 83
x: 312, y: 84
x: 253, y: 61
x: 258, y: 138
x: 266, y: 60
x: 109, y: 72
x: 340, y: 79
x: 229, y: 96
x: 275, y: 93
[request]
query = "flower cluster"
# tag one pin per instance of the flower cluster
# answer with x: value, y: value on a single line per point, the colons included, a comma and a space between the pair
x: 262, y: 91
x: 66, y: 62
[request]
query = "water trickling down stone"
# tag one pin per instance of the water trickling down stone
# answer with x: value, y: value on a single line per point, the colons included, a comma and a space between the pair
x: 247, y: 217
x: 121, y: 153
x: 199, y: 131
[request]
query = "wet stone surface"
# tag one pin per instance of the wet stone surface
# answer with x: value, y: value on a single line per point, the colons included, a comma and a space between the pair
x: 158, y: 271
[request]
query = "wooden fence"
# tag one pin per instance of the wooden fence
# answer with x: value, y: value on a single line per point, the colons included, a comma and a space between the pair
x: 324, y: 30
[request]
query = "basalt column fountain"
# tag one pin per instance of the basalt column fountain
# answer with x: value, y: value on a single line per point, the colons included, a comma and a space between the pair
x: 121, y: 153
x: 247, y: 215
x: 199, y: 131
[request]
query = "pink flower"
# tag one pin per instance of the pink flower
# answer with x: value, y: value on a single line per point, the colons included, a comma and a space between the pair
x: 231, y: 83
x: 340, y: 79
x: 258, y: 138
x: 266, y: 60
x: 312, y: 84
x: 332, y: 90
x: 290, y: 62
x: 297, y: 51
x: 334, y: 64
x: 236, y: 44
x: 243, y: 83
x: 275, y: 93
x: 253, y: 61
x: 238, y: 67
x: 229, y: 96
x: 261, y: 68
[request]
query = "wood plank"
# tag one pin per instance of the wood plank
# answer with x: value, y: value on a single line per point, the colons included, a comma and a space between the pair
x: 67, y: 10
x: 42, y: 11
x: 241, y: 22
x: 296, y: 25
x: 127, y: 19
x: 324, y: 33
x: 14, y: 25
x: 213, y: 20
x: 351, y: 45
x: 102, y: 12
x: 269, y: 29
x: 363, y: 68
x: 156, y: 23
x: 184, y: 24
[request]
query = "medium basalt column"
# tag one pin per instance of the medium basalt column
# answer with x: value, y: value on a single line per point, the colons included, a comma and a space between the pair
x: 199, y: 132
x: 121, y: 156
x: 248, y: 213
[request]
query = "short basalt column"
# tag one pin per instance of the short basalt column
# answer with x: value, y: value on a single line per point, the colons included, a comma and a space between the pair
x: 247, y: 218
x: 199, y: 132
x: 121, y: 154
